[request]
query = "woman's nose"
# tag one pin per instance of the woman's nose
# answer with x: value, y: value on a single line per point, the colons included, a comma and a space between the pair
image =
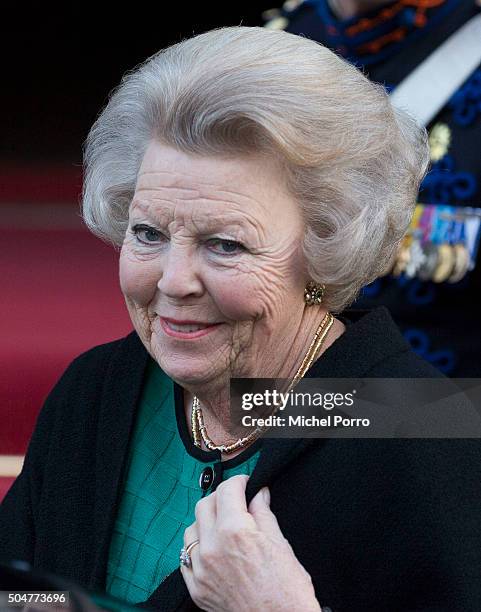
x: 179, y: 276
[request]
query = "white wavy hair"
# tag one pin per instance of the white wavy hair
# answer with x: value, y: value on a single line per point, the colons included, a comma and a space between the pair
x: 352, y: 162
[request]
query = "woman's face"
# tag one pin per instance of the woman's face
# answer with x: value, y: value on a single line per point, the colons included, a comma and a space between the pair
x: 211, y: 265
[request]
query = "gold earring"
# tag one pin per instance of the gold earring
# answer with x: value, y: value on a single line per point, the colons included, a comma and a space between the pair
x: 313, y: 293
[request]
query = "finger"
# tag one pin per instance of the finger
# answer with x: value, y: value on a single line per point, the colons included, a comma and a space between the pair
x: 188, y: 573
x: 190, y: 536
x: 264, y: 518
x: 206, y: 517
x: 231, y: 505
x: 191, y: 533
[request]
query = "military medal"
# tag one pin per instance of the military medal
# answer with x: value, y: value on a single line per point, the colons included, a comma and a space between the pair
x: 445, y: 265
x: 441, y: 236
x: 416, y: 260
x: 461, y: 263
x: 429, y: 249
x: 426, y: 270
x: 439, y: 141
x: 416, y: 253
x: 472, y: 225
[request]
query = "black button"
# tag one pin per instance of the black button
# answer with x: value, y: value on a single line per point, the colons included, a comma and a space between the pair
x: 206, y: 478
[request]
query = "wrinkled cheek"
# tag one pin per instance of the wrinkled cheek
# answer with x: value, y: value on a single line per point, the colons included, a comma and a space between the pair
x: 239, y: 301
x: 136, y: 281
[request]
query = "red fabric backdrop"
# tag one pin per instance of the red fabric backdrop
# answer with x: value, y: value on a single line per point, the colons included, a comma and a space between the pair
x: 60, y: 296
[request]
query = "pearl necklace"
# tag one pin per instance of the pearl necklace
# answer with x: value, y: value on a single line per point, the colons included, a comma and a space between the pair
x: 197, y: 420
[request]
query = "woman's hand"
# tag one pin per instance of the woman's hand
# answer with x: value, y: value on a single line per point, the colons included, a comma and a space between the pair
x: 242, y: 561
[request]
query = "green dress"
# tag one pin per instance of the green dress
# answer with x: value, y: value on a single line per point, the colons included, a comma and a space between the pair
x: 161, y: 489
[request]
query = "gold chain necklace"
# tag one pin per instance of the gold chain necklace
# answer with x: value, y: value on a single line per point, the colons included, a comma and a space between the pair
x: 197, y: 420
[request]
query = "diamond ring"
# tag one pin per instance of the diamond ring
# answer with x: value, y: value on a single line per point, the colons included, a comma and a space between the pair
x: 184, y: 556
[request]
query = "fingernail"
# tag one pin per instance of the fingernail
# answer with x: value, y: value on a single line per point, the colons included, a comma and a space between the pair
x: 266, y: 495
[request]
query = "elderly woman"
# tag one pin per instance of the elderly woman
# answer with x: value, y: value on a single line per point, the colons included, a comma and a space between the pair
x: 255, y: 183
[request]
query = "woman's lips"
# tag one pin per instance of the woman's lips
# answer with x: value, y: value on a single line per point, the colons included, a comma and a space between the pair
x: 178, y: 332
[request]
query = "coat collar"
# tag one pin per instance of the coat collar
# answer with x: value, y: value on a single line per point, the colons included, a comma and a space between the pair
x: 370, y: 337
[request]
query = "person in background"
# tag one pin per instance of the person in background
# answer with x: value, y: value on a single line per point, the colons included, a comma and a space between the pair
x: 433, y: 288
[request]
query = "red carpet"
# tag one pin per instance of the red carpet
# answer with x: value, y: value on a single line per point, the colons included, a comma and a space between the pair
x: 60, y: 296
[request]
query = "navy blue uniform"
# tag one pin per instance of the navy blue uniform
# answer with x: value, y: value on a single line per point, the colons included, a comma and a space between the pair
x: 440, y: 320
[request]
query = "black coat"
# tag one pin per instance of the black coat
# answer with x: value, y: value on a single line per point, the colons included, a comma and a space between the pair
x: 381, y: 525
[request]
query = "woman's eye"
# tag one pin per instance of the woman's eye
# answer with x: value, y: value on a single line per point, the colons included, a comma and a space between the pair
x: 226, y: 247
x: 146, y: 234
